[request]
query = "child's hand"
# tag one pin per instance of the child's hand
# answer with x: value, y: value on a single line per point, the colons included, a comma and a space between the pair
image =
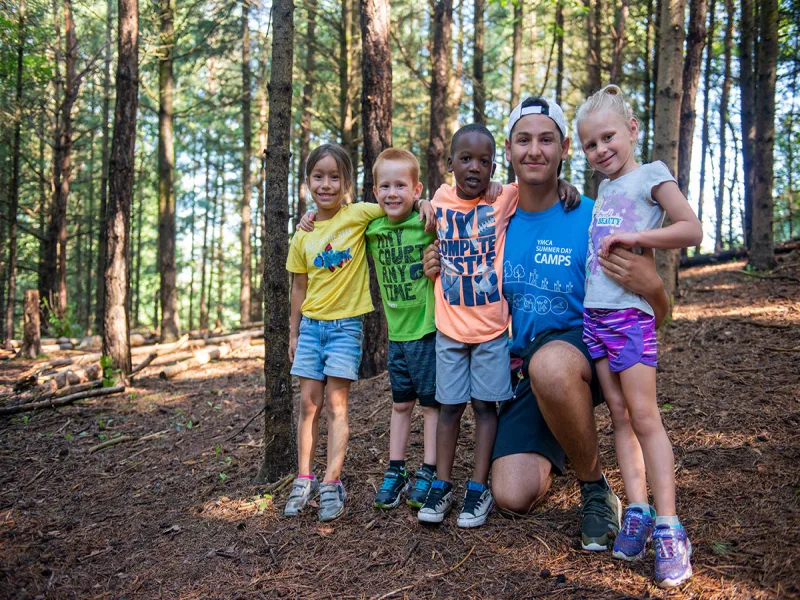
x: 628, y: 240
x: 307, y: 222
x: 431, y: 261
x: 426, y: 212
x: 293, y: 339
x: 493, y: 192
x: 568, y: 194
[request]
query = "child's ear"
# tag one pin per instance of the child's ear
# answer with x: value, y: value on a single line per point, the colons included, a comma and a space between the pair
x: 449, y: 164
x: 418, y: 190
x: 494, y: 168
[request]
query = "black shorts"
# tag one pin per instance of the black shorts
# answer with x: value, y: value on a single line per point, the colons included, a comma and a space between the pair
x: 412, y: 370
x: 521, y: 428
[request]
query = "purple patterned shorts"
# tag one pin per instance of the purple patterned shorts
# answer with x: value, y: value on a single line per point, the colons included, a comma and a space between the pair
x: 626, y: 337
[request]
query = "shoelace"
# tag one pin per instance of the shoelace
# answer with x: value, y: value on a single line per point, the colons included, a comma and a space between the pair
x: 434, y: 497
x: 388, y: 483
x: 472, y: 501
x: 595, y: 505
x: 666, y: 548
x: 633, y: 524
x: 422, y: 484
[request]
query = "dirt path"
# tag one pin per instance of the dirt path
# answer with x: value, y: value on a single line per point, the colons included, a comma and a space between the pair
x: 177, y: 515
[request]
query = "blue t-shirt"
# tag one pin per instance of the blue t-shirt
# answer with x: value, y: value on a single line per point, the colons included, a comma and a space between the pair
x: 544, y: 270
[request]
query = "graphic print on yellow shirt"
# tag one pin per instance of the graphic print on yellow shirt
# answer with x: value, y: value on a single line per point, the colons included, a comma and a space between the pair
x: 334, y: 257
x: 469, y: 304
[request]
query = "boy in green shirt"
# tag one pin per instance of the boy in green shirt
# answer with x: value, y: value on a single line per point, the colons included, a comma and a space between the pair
x: 396, y: 243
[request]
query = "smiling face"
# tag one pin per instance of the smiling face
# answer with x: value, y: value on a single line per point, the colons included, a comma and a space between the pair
x: 472, y: 164
x: 396, y: 189
x: 325, y: 185
x: 608, y: 141
x: 535, y: 149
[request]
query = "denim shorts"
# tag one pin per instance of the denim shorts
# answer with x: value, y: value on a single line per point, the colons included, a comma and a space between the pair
x: 412, y: 370
x: 479, y: 371
x: 329, y: 348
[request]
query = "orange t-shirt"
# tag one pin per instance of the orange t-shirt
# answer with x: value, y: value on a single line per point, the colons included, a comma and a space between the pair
x: 470, y: 306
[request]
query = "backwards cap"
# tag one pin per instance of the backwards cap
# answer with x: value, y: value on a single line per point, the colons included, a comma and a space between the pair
x: 538, y: 106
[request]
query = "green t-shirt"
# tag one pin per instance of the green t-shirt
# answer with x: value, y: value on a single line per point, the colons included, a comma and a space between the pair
x: 407, y: 294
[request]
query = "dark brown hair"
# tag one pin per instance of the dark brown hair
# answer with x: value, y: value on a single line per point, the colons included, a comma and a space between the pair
x: 343, y: 163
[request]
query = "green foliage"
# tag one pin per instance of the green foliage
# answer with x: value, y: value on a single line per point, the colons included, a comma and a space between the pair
x: 62, y: 327
x: 110, y: 374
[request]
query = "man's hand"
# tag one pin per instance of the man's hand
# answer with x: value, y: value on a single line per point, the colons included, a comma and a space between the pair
x: 493, y: 192
x: 426, y: 212
x: 431, y: 261
x: 307, y: 222
x: 568, y: 194
x: 626, y: 239
x: 637, y: 273
x: 293, y: 339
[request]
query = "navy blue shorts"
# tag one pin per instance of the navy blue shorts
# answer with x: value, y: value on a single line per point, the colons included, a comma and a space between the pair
x: 412, y: 370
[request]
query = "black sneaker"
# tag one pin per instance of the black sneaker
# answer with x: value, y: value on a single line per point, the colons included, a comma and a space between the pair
x: 416, y: 497
x: 601, y: 512
x: 438, y: 503
x: 478, y: 502
x: 395, y: 482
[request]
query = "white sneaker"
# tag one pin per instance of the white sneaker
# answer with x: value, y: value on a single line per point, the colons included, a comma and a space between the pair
x: 303, y: 490
x: 437, y: 504
x: 478, y: 503
x: 331, y: 501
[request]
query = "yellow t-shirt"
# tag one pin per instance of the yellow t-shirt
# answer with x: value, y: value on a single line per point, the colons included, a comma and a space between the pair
x: 470, y: 306
x: 334, y: 257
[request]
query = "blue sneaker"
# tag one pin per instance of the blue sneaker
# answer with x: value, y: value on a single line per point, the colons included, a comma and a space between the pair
x: 673, y: 556
x: 636, y: 531
x: 416, y: 497
x: 395, y: 482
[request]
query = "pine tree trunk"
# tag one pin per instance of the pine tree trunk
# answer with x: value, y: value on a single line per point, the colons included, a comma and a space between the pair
x: 723, y: 118
x: 648, y: 85
x: 455, y: 86
x: 13, y: 204
x: 138, y: 262
x: 706, y: 98
x: 695, y: 42
x: 204, y: 255
x: 560, y: 46
x: 280, y: 433
x: 620, y: 18
x: 220, y: 256
x: 244, y: 237
x: 667, y: 117
x: 86, y: 316
x: 442, y: 25
x: 170, y: 329
x: 762, y: 253
x: 116, y: 328
x: 478, y: 85
x: 31, y: 342
x: 592, y: 178
x: 102, y: 242
x: 376, y: 118
x: 262, y: 147
x: 516, y: 65
x: 747, y: 85
x: 192, y: 264
x: 305, y: 118
x: 346, y: 76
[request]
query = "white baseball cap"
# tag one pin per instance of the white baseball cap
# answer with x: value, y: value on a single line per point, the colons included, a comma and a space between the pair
x: 537, y: 105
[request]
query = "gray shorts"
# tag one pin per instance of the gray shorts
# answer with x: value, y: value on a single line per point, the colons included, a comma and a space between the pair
x: 465, y: 371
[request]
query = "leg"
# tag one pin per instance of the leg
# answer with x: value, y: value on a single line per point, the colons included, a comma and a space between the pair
x: 629, y: 452
x: 446, y: 439
x: 519, y: 494
x: 338, y: 428
x: 485, y: 432
x: 430, y: 417
x: 560, y: 377
x: 639, y: 387
x: 311, y: 395
x: 399, y: 429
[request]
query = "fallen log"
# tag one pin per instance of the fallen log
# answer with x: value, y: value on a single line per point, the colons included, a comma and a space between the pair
x: 56, y: 402
x: 699, y: 260
x: 89, y: 373
x: 56, y: 363
x: 148, y: 359
x: 200, y: 358
x: 236, y: 340
x: 57, y: 347
x: 164, y: 348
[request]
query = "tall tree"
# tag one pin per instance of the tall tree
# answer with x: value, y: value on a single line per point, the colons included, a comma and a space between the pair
x: 516, y: 63
x: 376, y: 119
x: 442, y: 25
x: 305, y: 117
x: 247, y: 138
x: 560, y: 46
x: 347, y: 120
x: 204, y: 251
x: 478, y: 84
x: 13, y: 204
x: 594, y: 15
x: 279, y: 427
x: 747, y: 86
x: 220, y: 253
x: 762, y: 254
x: 648, y: 84
x: 455, y: 86
x: 695, y: 41
x: 667, y: 117
x: 620, y: 18
x: 116, y: 328
x: 706, y: 99
x: 166, y: 175
x: 723, y: 119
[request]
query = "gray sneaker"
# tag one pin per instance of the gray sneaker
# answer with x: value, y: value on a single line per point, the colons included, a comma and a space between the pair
x: 303, y: 490
x: 601, y: 512
x: 331, y: 501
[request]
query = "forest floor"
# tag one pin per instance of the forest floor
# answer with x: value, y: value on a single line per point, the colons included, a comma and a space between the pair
x: 177, y: 515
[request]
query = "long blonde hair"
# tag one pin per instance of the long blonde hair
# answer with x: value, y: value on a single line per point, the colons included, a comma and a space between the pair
x: 609, y: 98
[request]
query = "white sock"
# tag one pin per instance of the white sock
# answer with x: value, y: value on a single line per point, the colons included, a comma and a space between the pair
x: 672, y: 521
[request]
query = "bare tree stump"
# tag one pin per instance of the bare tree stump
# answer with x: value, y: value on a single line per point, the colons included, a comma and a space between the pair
x: 31, y: 342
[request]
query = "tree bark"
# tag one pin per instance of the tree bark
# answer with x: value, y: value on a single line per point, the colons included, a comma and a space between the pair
x: 244, y: 232
x: 706, y: 97
x: 31, y: 344
x: 204, y: 256
x: 262, y: 147
x: 442, y: 25
x: 560, y: 46
x: 516, y: 63
x: 592, y: 178
x: 747, y: 85
x: 102, y: 243
x: 347, y: 120
x: 280, y: 433
x: 85, y: 315
x: 455, y: 86
x: 762, y: 255
x: 648, y: 84
x: 138, y: 262
x: 695, y: 42
x: 478, y: 85
x: 166, y: 166
x: 376, y: 117
x: 220, y: 256
x: 305, y: 118
x: 13, y: 204
x: 122, y: 166
x: 723, y: 119
x: 620, y: 18
x: 667, y: 116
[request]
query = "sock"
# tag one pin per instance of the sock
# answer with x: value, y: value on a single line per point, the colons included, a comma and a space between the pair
x: 444, y: 485
x: 334, y: 481
x: 311, y: 477
x: 601, y: 482
x: 431, y: 468
x: 475, y: 486
x: 400, y: 465
x: 644, y: 507
x: 672, y: 521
